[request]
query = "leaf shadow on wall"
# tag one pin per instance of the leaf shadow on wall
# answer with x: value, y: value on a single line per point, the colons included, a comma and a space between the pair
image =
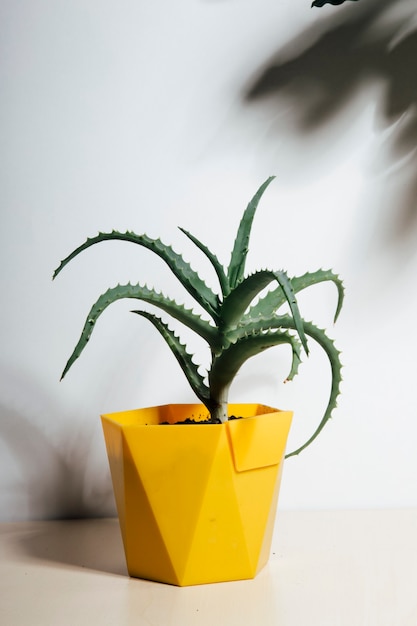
x: 321, y: 71
x: 46, y: 471
x: 45, y: 485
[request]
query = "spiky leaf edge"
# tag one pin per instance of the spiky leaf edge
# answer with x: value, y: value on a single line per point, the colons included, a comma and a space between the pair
x: 143, y: 293
x: 333, y: 355
x: 237, y: 302
x: 218, y: 267
x: 237, y: 264
x: 318, y: 335
x: 178, y: 349
x: 274, y: 299
x: 190, y: 280
x: 228, y: 363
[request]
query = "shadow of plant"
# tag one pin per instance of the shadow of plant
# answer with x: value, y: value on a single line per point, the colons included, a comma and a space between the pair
x: 47, y: 484
x: 369, y: 43
x: 93, y: 544
x: 47, y: 474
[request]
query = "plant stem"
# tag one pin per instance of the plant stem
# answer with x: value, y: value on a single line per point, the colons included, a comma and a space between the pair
x: 218, y: 405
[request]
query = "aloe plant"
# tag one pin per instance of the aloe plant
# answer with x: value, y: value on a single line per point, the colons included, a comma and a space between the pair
x: 242, y: 323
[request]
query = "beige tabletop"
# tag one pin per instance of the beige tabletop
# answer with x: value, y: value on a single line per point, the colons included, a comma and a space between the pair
x: 337, y: 568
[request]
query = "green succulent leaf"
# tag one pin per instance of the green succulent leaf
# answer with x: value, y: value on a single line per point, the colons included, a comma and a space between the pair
x: 143, y: 293
x: 189, y: 368
x: 334, y: 358
x: 287, y: 288
x: 263, y: 324
x: 237, y: 302
x: 196, y: 287
x: 275, y: 298
x: 227, y: 364
x: 218, y: 267
x: 236, y: 269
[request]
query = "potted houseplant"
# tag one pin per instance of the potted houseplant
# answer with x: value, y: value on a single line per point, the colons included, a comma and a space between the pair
x: 196, y: 490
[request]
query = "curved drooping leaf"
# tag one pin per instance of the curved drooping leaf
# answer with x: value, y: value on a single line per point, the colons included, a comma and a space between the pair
x: 196, y: 287
x: 218, y: 267
x: 189, y: 368
x: 288, y: 290
x: 334, y: 359
x: 318, y: 335
x: 313, y: 278
x: 263, y: 325
x: 237, y: 302
x: 227, y: 364
x: 139, y: 292
x: 275, y: 298
x: 237, y: 264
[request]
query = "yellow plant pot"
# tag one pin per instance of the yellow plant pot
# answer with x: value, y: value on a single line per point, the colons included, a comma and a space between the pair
x: 196, y: 503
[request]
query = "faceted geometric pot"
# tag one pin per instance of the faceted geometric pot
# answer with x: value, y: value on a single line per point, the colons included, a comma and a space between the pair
x: 196, y: 503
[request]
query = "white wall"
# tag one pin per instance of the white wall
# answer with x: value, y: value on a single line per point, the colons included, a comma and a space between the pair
x: 135, y: 115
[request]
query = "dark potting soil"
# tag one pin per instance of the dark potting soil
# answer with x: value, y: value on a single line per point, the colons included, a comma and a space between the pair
x: 190, y: 420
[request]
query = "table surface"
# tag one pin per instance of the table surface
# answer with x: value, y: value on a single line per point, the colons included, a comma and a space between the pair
x: 327, y: 568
